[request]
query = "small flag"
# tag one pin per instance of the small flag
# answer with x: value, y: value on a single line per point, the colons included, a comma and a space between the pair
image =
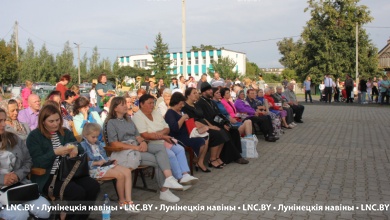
x: 146, y: 47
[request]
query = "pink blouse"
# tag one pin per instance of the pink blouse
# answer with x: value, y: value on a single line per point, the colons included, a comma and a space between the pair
x: 229, y: 106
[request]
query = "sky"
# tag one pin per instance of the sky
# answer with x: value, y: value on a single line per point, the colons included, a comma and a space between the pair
x: 126, y: 27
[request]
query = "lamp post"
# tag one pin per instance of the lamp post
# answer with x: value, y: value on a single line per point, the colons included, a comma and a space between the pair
x: 78, y: 49
x: 183, y: 40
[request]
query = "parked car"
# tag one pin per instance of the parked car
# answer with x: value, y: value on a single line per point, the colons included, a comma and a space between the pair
x: 43, y: 86
x: 85, y: 87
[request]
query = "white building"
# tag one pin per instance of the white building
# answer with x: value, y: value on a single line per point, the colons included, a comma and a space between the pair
x: 198, y: 62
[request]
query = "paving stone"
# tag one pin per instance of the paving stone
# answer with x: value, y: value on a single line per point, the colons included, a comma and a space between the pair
x: 338, y: 156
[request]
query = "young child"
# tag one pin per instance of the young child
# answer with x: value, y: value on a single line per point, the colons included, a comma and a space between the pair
x: 97, y: 157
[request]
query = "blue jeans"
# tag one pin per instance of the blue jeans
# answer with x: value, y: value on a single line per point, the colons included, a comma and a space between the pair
x: 21, y: 213
x: 363, y: 97
x: 178, y: 160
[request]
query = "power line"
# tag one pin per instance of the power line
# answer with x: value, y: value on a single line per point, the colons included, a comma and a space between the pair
x: 44, y: 41
x: 375, y: 27
x: 7, y: 32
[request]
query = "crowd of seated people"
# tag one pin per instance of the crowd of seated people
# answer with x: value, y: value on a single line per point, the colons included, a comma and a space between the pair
x: 208, y: 117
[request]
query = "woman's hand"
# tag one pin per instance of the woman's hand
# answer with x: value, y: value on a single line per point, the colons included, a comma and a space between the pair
x: 10, y: 178
x: 84, y: 111
x: 232, y: 120
x: 143, y: 147
x: 74, y: 152
x: 61, y: 151
x: 214, y: 127
x: 185, y: 117
x: 167, y: 139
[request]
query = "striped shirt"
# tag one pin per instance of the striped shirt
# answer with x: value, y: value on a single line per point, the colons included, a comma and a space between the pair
x: 55, y: 140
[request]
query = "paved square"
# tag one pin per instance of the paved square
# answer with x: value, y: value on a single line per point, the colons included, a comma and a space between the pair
x: 337, y: 160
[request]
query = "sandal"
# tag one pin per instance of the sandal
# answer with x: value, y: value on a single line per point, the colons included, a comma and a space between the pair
x: 212, y: 165
x: 222, y: 164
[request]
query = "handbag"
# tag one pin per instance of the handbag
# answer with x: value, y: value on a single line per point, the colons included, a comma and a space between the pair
x: 193, y: 131
x: 249, y: 147
x: 127, y: 158
x: 67, y: 163
x: 18, y: 193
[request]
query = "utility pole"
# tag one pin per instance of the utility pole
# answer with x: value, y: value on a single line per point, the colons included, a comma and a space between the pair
x: 16, y: 41
x: 78, y: 48
x: 183, y: 40
x: 17, y: 46
x: 357, y: 53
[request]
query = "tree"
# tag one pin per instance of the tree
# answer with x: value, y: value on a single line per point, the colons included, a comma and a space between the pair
x: 204, y: 47
x: 94, y: 69
x: 289, y: 74
x: 161, y: 61
x: 46, y: 66
x: 28, y: 67
x: 224, y: 67
x: 8, y: 64
x: 252, y: 70
x: 328, y: 42
x: 64, y: 64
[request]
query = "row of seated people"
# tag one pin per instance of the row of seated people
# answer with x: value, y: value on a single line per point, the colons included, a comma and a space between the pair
x: 223, y: 141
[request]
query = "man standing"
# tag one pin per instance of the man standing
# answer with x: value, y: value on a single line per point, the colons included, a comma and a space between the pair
x: 306, y: 85
x: 293, y: 102
x: 284, y: 83
x: 217, y: 81
x: 30, y: 114
x: 328, y: 88
x: 182, y: 84
x: 349, y: 87
x: 203, y: 79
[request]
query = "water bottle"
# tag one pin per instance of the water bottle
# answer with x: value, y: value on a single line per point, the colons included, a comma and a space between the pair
x: 106, y: 212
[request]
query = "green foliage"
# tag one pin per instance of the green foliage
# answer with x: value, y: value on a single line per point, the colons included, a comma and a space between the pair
x: 225, y: 67
x: 289, y: 74
x: 252, y: 70
x: 161, y: 61
x: 8, y: 64
x: 271, y: 78
x: 204, y: 47
x: 328, y: 42
x: 64, y: 64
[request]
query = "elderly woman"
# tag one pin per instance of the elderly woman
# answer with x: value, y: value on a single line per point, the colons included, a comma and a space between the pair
x: 276, y: 108
x: 176, y: 121
x: 130, y: 102
x: 46, y: 144
x: 140, y: 92
x: 256, y: 116
x: 244, y: 128
x: 278, y: 98
x: 20, y: 103
x: 163, y: 105
x: 16, y: 170
x: 83, y: 115
x: 119, y: 130
x: 151, y: 126
x: 12, y: 123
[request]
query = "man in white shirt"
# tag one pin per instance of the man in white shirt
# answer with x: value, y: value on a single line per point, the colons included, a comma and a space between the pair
x: 329, y: 85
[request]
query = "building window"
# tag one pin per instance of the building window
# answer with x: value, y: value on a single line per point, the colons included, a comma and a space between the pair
x: 211, y: 59
x: 196, y: 60
x: 189, y: 61
x: 140, y: 63
x: 204, y: 60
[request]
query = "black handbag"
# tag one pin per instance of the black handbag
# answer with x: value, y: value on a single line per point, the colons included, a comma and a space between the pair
x: 67, y: 163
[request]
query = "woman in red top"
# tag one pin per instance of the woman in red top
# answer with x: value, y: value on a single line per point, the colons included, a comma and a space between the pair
x: 276, y: 108
x: 61, y: 85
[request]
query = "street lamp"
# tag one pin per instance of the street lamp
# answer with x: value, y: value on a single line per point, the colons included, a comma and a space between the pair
x: 78, y: 48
